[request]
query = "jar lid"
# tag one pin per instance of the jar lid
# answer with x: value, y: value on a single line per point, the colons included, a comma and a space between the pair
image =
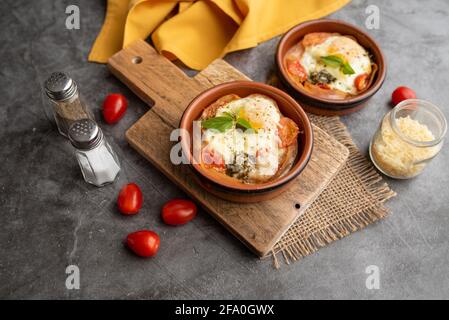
x: 85, y: 134
x: 59, y: 86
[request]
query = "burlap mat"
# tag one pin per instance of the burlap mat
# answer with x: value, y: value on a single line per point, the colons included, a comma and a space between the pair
x: 353, y: 200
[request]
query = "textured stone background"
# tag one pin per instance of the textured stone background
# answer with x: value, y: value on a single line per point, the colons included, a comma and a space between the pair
x: 50, y: 218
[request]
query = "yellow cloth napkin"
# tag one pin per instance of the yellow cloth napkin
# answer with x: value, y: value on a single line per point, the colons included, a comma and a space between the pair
x: 197, y: 32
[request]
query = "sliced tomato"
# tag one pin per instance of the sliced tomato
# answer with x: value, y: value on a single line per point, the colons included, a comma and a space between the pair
x: 262, y: 152
x: 212, y: 159
x: 323, y: 86
x: 288, y: 131
x: 315, y: 38
x: 361, y: 81
x: 296, y: 69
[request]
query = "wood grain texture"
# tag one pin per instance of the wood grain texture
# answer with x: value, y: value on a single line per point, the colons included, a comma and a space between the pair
x: 156, y: 80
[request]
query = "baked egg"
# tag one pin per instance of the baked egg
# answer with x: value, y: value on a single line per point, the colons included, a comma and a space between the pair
x: 247, y: 138
x: 330, y: 61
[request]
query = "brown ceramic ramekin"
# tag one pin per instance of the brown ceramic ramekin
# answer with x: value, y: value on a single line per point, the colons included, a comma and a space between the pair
x: 236, y: 191
x: 319, y: 105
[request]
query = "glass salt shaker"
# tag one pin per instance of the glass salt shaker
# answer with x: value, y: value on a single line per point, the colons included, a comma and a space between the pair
x: 66, y: 101
x: 98, y: 162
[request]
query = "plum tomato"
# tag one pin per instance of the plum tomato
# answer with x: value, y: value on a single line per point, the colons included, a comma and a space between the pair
x: 144, y: 243
x: 178, y: 211
x: 130, y: 199
x: 114, y: 108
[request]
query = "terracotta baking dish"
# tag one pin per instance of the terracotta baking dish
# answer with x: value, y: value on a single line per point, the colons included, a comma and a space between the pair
x: 319, y: 105
x: 236, y: 191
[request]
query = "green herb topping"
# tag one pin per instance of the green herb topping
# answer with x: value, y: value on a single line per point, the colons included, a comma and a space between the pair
x: 219, y: 123
x: 337, y: 62
x: 225, y: 122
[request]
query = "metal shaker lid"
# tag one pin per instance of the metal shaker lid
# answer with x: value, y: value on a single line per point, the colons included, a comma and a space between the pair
x: 85, y: 134
x: 59, y: 86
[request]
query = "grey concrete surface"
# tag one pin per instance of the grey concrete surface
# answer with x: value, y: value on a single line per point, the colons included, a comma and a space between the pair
x: 50, y: 218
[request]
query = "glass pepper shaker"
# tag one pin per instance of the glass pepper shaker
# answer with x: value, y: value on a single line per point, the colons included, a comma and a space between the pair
x: 98, y: 162
x: 65, y: 98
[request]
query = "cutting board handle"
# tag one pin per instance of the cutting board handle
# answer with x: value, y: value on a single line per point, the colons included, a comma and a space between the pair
x: 153, y: 78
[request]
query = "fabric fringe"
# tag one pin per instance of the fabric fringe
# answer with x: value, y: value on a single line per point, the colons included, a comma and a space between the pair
x: 298, y: 247
x: 337, y: 231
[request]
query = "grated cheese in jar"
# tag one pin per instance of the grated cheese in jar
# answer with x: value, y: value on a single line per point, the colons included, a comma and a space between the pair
x: 397, y: 157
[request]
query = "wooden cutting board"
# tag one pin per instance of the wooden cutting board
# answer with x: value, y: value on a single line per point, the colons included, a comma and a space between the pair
x: 169, y: 90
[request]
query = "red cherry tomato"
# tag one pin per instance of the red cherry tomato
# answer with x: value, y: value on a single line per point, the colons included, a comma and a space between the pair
x: 114, y: 107
x: 130, y: 199
x: 178, y: 211
x: 144, y: 243
x: 401, y: 94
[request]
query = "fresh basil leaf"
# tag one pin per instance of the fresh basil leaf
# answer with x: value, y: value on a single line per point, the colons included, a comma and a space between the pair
x: 347, y: 69
x: 219, y: 123
x: 335, y: 61
x: 228, y: 114
x: 243, y: 123
x: 332, y: 61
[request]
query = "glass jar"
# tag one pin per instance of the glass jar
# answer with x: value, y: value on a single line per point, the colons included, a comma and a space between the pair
x: 408, y: 137
x: 98, y: 162
x: 66, y: 101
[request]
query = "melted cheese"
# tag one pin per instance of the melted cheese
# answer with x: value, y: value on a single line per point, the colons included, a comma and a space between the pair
x: 344, y: 47
x: 260, y: 111
x: 261, y: 145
